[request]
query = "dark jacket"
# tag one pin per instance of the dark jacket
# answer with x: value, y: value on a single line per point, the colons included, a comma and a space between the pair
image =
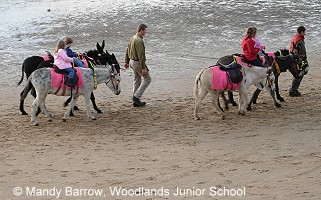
x: 298, y: 43
x: 70, y: 53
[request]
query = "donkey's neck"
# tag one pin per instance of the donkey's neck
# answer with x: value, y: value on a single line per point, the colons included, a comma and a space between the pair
x: 102, y: 75
x: 257, y: 74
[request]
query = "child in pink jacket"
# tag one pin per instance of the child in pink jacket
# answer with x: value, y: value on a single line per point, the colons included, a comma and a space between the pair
x: 62, y: 61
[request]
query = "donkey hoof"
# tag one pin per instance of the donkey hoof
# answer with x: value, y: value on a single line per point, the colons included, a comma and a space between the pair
x: 249, y: 108
x: 71, y: 114
x: 94, y: 119
x: 197, y: 118
x: 36, y: 124
x: 49, y: 120
x: 64, y: 120
x: 281, y: 99
x: 278, y: 105
x: 99, y: 111
x: 222, y: 117
x: 234, y: 103
x: 76, y: 108
x: 24, y: 113
x: 241, y: 113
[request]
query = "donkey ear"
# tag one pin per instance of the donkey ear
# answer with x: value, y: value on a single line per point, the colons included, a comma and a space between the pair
x: 98, y: 47
x: 102, y: 46
x: 107, y: 52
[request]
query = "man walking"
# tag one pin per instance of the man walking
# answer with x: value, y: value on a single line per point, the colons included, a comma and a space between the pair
x: 135, y: 58
x: 298, y: 45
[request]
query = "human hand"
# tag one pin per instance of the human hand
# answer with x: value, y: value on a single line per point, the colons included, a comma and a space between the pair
x: 144, y: 72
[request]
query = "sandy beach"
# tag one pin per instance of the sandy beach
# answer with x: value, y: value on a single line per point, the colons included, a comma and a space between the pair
x: 270, y: 153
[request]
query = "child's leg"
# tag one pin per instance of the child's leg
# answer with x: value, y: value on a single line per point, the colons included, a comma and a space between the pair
x: 78, y: 62
x: 257, y: 63
x: 71, y: 72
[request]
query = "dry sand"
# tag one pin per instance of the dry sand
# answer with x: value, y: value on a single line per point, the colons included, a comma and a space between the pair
x: 273, y: 152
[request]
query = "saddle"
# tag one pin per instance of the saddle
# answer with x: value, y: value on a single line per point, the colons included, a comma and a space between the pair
x: 68, y: 81
x: 233, y: 71
x: 240, y: 59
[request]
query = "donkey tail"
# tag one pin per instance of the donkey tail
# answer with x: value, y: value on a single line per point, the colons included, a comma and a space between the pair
x: 23, y: 70
x: 197, y: 80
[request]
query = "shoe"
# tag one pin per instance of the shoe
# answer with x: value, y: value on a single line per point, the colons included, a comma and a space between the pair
x: 70, y: 82
x: 137, y: 102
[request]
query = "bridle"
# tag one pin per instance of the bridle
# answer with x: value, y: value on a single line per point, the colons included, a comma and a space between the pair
x: 113, y: 77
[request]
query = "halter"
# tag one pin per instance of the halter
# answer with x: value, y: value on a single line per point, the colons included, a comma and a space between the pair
x: 113, y: 76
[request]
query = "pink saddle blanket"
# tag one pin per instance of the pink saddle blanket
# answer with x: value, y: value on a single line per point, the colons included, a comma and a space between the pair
x: 57, y: 80
x: 220, y: 80
x: 46, y: 57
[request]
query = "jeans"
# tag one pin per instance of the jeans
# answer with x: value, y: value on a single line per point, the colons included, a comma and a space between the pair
x: 78, y: 62
x: 71, y: 72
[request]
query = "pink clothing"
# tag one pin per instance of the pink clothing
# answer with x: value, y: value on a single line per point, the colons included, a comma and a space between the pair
x: 220, y: 80
x: 257, y: 44
x: 62, y: 61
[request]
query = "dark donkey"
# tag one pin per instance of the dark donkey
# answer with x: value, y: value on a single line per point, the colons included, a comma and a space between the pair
x: 32, y: 63
x: 282, y: 62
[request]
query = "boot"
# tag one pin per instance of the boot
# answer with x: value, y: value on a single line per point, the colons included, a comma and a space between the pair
x: 70, y: 82
x: 294, y: 88
x: 137, y: 102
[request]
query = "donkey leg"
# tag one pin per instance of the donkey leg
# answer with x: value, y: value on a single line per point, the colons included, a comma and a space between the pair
x: 34, y: 109
x: 215, y: 96
x: 255, y: 96
x: 21, y: 107
x: 225, y: 101
x: 198, y: 100
x: 277, y: 91
x: 70, y: 110
x: 231, y: 98
x: 275, y: 101
x: 93, y: 101
x: 44, y: 109
x: 87, y: 101
x: 244, y: 101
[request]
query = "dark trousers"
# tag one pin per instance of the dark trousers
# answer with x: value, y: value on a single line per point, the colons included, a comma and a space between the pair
x: 257, y: 62
x: 295, y: 84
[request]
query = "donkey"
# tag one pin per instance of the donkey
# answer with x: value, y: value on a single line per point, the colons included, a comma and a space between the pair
x: 281, y: 64
x: 252, y: 75
x: 32, y: 63
x: 42, y: 82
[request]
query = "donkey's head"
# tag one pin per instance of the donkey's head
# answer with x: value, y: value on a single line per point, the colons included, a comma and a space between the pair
x: 270, y: 78
x: 114, y: 80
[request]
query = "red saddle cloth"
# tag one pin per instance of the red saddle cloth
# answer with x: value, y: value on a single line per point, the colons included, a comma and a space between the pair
x: 57, y: 81
x: 220, y: 80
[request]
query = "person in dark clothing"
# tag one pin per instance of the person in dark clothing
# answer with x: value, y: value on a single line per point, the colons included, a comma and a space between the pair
x: 297, y: 45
